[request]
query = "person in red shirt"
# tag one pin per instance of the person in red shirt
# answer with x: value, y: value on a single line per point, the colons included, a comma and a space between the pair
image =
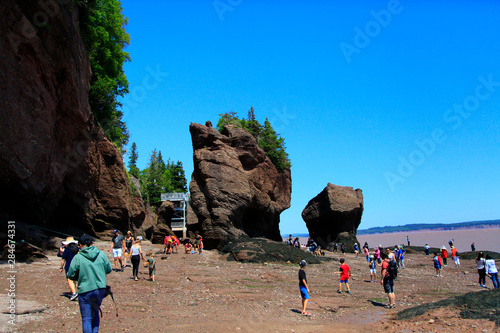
x: 444, y: 255
x: 345, y: 274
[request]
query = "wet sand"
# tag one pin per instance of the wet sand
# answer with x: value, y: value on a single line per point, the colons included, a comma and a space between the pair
x: 485, y: 239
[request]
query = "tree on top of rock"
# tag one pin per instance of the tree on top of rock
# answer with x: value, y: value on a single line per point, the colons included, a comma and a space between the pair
x: 266, y: 136
x: 132, y: 162
x: 102, y: 27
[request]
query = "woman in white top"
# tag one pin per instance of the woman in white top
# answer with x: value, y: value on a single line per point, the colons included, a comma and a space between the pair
x: 136, y: 255
x: 481, y: 270
x: 492, y: 271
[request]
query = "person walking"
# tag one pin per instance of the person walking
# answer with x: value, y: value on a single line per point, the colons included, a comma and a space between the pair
x: 129, y: 241
x: 473, y: 247
x: 304, y: 288
x: 426, y: 249
x: 136, y: 252
x: 481, y: 269
x: 437, y: 264
x: 117, y: 248
x: 345, y: 274
x: 455, y: 256
x: 444, y: 256
x: 367, y: 253
x: 401, y: 261
x: 408, y: 240
x: 70, y: 250
x: 388, y: 279
x: 89, y: 267
x: 492, y: 271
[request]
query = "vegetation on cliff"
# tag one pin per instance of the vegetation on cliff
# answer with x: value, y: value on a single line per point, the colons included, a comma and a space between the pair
x: 102, y: 27
x: 266, y: 136
x: 159, y: 177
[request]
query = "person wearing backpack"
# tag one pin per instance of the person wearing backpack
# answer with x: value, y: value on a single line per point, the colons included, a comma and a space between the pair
x: 389, y: 273
x: 437, y: 264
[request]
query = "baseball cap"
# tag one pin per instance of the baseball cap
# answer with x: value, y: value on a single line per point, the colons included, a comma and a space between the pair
x: 115, y: 231
x: 303, y: 263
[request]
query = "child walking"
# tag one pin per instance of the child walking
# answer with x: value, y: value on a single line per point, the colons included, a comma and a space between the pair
x: 304, y: 289
x: 152, y: 267
x: 345, y: 274
x: 437, y: 264
x: 373, y: 269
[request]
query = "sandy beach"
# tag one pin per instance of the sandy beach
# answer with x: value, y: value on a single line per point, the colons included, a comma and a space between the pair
x: 208, y: 293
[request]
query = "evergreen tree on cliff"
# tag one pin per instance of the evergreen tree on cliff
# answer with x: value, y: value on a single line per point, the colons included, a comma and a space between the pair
x: 266, y: 136
x: 102, y: 27
x: 132, y: 162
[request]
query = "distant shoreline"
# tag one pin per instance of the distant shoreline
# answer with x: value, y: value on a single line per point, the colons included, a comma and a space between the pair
x: 430, y: 230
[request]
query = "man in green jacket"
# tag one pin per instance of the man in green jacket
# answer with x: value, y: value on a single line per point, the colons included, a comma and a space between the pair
x: 89, y: 267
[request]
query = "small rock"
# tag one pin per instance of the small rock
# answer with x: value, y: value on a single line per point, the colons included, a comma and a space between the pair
x: 431, y: 321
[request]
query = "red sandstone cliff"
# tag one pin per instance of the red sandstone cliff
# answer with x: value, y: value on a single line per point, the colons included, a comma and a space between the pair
x: 57, y: 168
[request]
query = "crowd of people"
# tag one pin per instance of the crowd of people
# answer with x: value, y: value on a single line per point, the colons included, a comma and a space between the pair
x: 86, y: 267
x: 390, y: 261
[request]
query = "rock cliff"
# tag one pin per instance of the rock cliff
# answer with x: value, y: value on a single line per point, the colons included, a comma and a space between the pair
x: 57, y: 168
x: 235, y: 188
x: 334, y: 216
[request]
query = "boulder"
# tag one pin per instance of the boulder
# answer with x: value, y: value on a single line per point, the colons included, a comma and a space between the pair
x: 235, y: 189
x: 57, y: 167
x: 334, y: 216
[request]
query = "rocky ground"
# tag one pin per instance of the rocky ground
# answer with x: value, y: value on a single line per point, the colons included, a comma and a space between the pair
x: 210, y: 294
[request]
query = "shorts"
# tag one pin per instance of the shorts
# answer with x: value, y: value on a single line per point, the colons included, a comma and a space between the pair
x: 152, y: 271
x: 344, y: 281
x: 389, y: 286
x: 373, y: 270
x: 303, y: 292
x: 66, y: 272
x: 117, y: 253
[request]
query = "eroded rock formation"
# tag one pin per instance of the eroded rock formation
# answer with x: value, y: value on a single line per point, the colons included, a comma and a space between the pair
x: 57, y: 168
x: 334, y: 216
x: 235, y: 188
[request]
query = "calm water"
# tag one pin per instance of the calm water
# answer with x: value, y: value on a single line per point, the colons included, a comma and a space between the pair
x: 485, y: 239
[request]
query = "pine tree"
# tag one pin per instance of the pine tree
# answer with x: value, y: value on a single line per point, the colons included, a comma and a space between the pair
x: 132, y: 162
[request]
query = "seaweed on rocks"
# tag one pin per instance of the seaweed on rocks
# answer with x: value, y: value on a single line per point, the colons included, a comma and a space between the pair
x: 246, y: 249
x: 474, y: 305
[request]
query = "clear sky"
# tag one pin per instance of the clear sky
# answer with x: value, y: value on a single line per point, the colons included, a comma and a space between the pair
x: 398, y: 98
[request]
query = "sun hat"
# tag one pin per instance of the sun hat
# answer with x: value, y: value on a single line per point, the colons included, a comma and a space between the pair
x: 69, y: 240
x: 303, y: 263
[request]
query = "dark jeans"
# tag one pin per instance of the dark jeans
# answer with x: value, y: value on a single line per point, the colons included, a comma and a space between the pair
x: 90, y: 302
x: 135, y: 265
x: 482, y: 276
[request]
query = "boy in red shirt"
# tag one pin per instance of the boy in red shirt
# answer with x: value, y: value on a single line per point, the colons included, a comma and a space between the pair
x: 345, y: 274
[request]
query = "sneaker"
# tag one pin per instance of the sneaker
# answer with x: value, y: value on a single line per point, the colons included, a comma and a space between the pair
x: 73, y: 296
x: 123, y: 268
x: 348, y: 291
x: 339, y: 291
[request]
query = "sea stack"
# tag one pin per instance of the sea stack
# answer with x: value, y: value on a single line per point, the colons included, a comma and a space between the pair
x: 235, y: 188
x: 334, y: 216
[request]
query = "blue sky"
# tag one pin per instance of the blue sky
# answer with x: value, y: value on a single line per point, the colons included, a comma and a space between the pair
x: 398, y: 98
